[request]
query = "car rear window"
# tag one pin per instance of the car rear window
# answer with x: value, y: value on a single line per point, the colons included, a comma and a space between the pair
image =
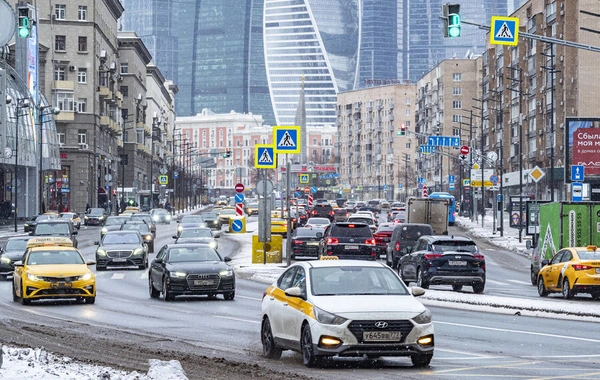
x: 308, y: 232
x: 323, y: 206
x: 368, y: 221
x: 589, y: 255
x: 414, y: 232
x: 351, y: 230
x: 454, y: 245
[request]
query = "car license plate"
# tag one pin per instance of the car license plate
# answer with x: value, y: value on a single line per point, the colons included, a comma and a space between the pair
x: 119, y: 260
x: 312, y: 243
x: 457, y: 263
x: 203, y: 282
x: 378, y: 336
x: 597, y: 270
x: 61, y: 285
x: 353, y: 247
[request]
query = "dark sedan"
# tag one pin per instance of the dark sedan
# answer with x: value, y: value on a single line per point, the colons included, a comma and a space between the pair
x: 30, y: 223
x: 305, y: 242
x: 122, y: 249
x: 190, y: 221
x: 94, y: 217
x: 190, y: 269
x: 12, y: 250
x: 146, y: 218
x: 160, y: 215
x: 143, y: 229
x: 113, y: 223
x: 198, y: 235
x: 212, y: 220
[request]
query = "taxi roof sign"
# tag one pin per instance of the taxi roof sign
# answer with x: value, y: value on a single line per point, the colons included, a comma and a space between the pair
x: 49, y: 241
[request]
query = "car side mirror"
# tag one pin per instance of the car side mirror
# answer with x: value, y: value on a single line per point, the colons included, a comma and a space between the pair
x: 294, y: 292
x: 416, y: 291
x: 18, y: 263
x: 158, y: 261
x: 174, y: 236
x: 96, y: 243
x: 226, y: 259
x: 90, y: 262
x: 545, y: 262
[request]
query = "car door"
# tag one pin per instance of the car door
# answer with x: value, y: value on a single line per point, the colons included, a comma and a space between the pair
x: 562, y: 267
x: 409, y: 262
x: 553, y: 271
x: 297, y: 309
x: 157, y: 270
x: 278, y: 302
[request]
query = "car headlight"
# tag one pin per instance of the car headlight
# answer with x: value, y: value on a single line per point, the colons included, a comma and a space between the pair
x: 168, y: 217
x: 104, y: 230
x: 179, y: 228
x: 85, y: 217
x: 213, y: 244
x: 101, y: 252
x: 26, y: 225
x: 148, y: 237
x: 100, y: 217
x: 85, y: 277
x: 5, y: 260
x: 33, y: 277
x: 423, y: 318
x: 178, y: 274
x: 138, y: 251
x: 226, y: 272
x: 155, y: 218
x: 328, y: 318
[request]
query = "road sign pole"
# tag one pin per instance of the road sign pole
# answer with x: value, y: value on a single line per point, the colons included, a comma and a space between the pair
x: 288, y: 243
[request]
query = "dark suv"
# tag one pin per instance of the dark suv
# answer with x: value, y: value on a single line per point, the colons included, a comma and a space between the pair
x: 95, y: 217
x: 322, y: 210
x: 444, y: 260
x: 56, y: 227
x: 348, y: 241
x: 403, y: 239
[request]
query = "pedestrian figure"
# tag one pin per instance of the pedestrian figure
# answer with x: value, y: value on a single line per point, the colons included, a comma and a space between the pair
x: 87, y: 208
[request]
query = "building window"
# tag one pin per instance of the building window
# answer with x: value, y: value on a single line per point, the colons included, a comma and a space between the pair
x: 456, y: 104
x: 124, y: 68
x: 60, y: 72
x: 60, y: 43
x: 82, y: 13
x: 456, y: 118
x: 314, y: 141
x: 81, y: 105
x: 407, y: 112
x: 408, y: 101
x: 456, y: 132
x: 456, y: 90
x: 125, y: 91
x: 64, y: 101
x: 82, y: 76
x: 60, y: 11
x: 61, y: 139
x: 457, y: 77
x: 82, y: 44
x: 81, y: 136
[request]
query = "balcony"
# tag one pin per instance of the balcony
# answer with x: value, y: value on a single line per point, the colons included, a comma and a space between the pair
x: 104, y: 121
x: 391, y: 117
x: 104, y: 92
x: 63, y: 85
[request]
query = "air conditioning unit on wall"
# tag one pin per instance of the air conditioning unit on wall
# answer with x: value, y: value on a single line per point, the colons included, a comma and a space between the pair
x: 72, y: 68
x: 83, y: 146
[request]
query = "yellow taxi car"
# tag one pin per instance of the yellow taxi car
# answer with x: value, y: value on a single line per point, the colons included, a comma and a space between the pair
x: 278, y: 226
x: 53, y: 268
x: 571, y: 271
x: 225, y: 214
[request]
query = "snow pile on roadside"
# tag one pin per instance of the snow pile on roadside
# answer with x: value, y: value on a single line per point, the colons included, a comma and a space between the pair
x: 510, y: 240
x: 36, y: 363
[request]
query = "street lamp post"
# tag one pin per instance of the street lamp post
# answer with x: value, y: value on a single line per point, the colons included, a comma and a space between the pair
x: 156, y: 121
x: 41, y: 114
x: 21, y: 104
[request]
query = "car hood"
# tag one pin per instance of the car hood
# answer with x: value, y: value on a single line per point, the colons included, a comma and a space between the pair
x: 195, y: 267
x: 120, y: 247
x: 196, y: 240
x: 370, y: 306
x: 58, y: 270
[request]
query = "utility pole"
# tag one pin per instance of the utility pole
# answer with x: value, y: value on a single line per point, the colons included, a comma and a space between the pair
x: 552, y: 70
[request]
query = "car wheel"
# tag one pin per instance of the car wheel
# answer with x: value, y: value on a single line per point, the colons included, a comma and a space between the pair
x: 90, y: 300
x: 421, y: 360
x: 478, y: 288
x: 541, y: 287
x: 166, y: 292
x: 457, y: 288
x: 229, y: 296
x: 153, y: 292
x: 566, y: 289
x: 421, y: 280
x: 270, y: 349
x: 533, y: 277
x: 595, y: 295
x: 24, y: 301
x: 309, y: 359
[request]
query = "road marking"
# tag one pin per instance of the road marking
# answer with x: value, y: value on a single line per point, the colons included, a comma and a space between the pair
x: 250, y: 298
x: 519, y: 332
x: 488, y: 281
x: 118, y: 276
x: 144, y: 275
x: 238, y: 319
x: 520, y: 282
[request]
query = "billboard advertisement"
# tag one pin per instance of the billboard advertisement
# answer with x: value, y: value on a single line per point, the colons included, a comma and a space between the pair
x: 583, y: 147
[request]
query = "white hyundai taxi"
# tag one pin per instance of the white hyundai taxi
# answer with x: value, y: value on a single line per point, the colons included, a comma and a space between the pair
x: 345, y: 308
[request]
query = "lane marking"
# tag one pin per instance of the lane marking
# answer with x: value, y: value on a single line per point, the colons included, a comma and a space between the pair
x: 249, y: 298
x: 520, y: 282
x: 488, y: 281
x: 237, y: 319
x: 117, y: 276
x: 144, y: 275
x: 519, y: 332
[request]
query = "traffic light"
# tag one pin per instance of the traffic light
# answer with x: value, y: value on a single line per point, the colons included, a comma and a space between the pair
x: 402, y: 130
x: 227, y: 153
x: 451, y: 19
x: 24, y: 24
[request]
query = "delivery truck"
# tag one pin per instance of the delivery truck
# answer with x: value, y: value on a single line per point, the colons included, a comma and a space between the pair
x: 432, y: 211
x: 563, y: 224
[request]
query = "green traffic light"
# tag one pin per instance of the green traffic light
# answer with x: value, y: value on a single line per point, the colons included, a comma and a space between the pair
x: 454, y: 25
x: 24, y: 27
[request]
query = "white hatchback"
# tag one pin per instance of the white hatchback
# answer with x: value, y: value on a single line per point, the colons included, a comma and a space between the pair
x: 345, y: 308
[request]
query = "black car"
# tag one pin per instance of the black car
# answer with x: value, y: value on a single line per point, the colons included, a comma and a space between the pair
x: 444, y: 260
x: 32, y: 221
x: 94, y: 217
x: 211, y: 219
x: 146, y: 218
x: 160, y: 215
x: 322, y: 210
x: 190, y: 221
x: 123, y: 249
x: 305, y: 242
x: 12, y: 250
x: 403, y: 238
x: 198, y: 235
x: 374, y: 210
x: 144, y: 230
x: 190, y: 269
x: 113, y: 223
x: 348, y: 241
x: 56, y: 227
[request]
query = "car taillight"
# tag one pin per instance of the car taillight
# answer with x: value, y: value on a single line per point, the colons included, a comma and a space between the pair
x: 332, y: 241
x: 397, y: 246
x: 479, y: 257
x: 314, y: 212
x: 581, y: 267
x: 297, y: 242
x: 370, y: 241
x: 431, y: 256
x: 331, y: 212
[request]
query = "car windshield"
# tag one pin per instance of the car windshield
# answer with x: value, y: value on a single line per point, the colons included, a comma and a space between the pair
x: 96, y: 212
x: 145, y: 218
x: 355, y: 280
x: 414, y: 232
x: 318, y: 221
x: 351, y: 230
x: 143, y: 228
x: 308, y: 232
x: 228, y: 212
x: 16, y: 245
x: 159, y: 212
x: 253, y: 205
x: 187, y: 254
x: 121, y: 238
x: 454, y: 246
x: 54, y: 257
x: 588, y: 255
x: 210, y: 216
x: 192, y: 219
x: 67, y: 215
x: 44, y: 217
x: 52, y: 229
x: 195, y: 232
x: 368, y: 221
x: 115, y: 221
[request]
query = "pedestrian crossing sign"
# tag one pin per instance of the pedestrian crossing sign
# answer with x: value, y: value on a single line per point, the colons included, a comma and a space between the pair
x: 264, y: 156
x: 163, y: 180
x: 287, y: 139
x: 504, y: 31
x: 304, y: 178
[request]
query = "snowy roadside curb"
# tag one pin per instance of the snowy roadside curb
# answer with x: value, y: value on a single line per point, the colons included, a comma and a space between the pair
x: 508, y: 241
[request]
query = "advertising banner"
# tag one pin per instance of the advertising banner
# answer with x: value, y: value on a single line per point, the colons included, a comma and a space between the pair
x: 583, y: 147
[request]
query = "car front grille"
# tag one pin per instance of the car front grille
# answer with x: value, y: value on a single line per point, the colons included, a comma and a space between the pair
x: 203, y: 281
x: 60, y: 279
x: 358, y: 327
x: 118, y: 254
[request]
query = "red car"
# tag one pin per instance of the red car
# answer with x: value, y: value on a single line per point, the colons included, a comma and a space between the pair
x: 382, y: 237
